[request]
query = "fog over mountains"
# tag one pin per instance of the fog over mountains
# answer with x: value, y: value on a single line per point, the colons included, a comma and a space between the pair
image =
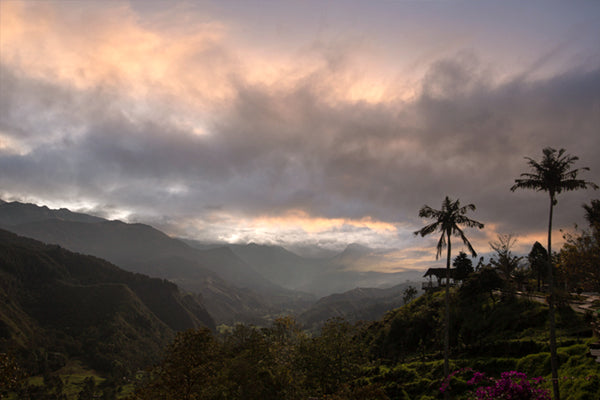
x: 237, y: 283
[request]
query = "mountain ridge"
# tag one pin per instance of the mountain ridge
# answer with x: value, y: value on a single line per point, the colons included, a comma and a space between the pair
x: 144, y: 249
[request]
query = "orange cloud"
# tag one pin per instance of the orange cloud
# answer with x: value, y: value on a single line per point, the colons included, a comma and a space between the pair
x: 99, y: 46
x: 309, y: 224
x: 194, y: 66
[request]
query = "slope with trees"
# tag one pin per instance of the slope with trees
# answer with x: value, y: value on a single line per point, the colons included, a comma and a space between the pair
x: 58, y: 305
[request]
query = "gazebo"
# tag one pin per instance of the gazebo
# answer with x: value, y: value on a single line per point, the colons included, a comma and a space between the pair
x: 440, y: 274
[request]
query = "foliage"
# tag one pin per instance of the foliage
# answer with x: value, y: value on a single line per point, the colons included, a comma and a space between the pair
x: 334, y: 358
x: 413, y: 326
x: 278, y: 362
x: 189, y: 370
x: 11, y: 373
x: 409, y: 294
x: 504, y: 260
x: 579, y: 258
x: 592, y: 212
x: 484, y: 281
x: 538, y: 262
x: 398, y: 357
x: 463, y: 266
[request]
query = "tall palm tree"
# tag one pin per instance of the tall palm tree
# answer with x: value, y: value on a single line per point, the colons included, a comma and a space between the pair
x: 553, y: 174
x: 448, y: 221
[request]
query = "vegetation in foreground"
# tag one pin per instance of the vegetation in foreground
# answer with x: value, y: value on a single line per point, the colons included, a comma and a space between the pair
x: 398, y: 357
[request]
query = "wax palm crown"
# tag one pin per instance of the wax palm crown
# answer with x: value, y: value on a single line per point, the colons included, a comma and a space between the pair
x: 448, y: 221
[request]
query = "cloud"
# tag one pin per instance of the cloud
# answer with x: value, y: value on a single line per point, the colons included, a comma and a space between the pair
x: 179, y: 126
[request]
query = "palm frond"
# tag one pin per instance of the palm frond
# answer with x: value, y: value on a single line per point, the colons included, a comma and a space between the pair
x: 426, y: 230
x: 441, y: 245
x: 468, y: 222
x: 461, y: 234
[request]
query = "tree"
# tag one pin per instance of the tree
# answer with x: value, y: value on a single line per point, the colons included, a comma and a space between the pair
x: 553, y: 174
x: 463, y: 266
x: 409, y: 294
x: 592, y: 213
x: 448, y: 221
x: 334, y: 358
x: 538, y: 259
x: 580, y: 255
x: 504, y: 260
x: 283, y: 339
x: 189, y: 370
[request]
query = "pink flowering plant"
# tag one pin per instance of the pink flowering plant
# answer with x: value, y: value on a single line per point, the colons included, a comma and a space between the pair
x: 511, y: 385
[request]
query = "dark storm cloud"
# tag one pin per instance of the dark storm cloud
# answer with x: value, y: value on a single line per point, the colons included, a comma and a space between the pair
x: 463, y: 136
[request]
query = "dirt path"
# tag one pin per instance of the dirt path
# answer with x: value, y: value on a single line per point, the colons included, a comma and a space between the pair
x: 587, y: 304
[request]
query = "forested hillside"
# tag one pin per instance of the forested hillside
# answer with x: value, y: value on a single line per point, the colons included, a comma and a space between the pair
x: 58, y: 305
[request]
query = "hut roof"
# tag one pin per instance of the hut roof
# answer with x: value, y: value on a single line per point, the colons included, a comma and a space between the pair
x: 439, y: 272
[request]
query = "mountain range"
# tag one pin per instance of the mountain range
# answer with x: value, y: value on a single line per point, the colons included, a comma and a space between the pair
x: 237, y: 283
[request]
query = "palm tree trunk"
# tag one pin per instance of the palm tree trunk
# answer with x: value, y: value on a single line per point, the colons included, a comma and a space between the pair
x: 553, y: 357
x: 447, y: 320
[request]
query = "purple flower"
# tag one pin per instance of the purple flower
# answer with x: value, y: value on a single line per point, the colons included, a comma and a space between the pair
x: 511, y: 385
x: 477, y: 377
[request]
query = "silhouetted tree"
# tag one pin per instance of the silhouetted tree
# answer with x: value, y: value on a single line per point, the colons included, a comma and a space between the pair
x: 409, y: 294
x: 580, y: 255
x: 484, y: 281
x: 448, y: 221
x: 553, y: 174
x: 504, y: 260
x: 538, y: 261
x: 463, y: 266
x: 592, y: 213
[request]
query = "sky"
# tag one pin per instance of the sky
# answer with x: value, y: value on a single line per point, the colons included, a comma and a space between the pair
x: 299, y: 123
